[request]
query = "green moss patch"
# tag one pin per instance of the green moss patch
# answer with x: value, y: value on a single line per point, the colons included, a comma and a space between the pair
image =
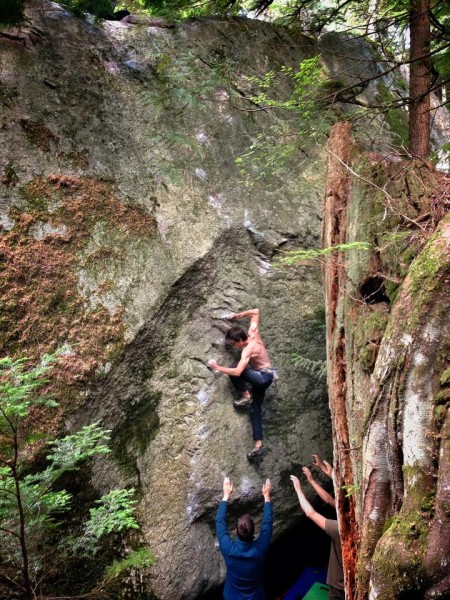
x: 423, y: 271
x: 399, y: 559
x: 445, y: 377
x: 79, y: 203
x: 136, y: 432
x: 369, y: 330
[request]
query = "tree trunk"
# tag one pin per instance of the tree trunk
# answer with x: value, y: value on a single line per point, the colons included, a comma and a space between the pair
x: 334, y: 233
x: 415, y: 453
x: 420, y: 78
x: 388, y: 375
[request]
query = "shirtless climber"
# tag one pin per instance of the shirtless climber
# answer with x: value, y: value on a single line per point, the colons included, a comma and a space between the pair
x: 253, y: 368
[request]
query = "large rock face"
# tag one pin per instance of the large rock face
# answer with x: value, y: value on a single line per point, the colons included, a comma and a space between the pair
x: 129, y: 233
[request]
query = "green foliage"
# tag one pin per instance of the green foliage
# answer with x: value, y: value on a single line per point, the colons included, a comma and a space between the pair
x: 441, y: 62
x: 114, y: 513
x: 274, y: 153
x: 384, y: 24
x: 83, y: 444
x: 445, y: 377
x: 11, y: 12
x: 100, y: 9
x: 30, y: 505
x: 291, y: 257
x: 183, y: 9
x: 314, y: 368
x: 306, y: 79
x: 285, y: 144
x: 351, y: 490
x: 184, y: 82
x: 185, y: 85
x: 138, y: 559
x: 17, y: 383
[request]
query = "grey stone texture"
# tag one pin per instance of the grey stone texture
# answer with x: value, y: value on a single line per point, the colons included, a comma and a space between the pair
x: 161, y: 113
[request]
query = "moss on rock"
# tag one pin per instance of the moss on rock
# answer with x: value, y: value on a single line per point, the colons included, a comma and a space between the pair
x: 445, y: 377
x: 43, y: 307
x: 39, y: 135
x: 368, y: 331
x: 131, y: 439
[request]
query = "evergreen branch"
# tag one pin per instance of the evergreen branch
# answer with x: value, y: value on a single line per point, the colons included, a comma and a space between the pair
x: 394, y: 67
x: 291, y: 257
x: 315, y: 368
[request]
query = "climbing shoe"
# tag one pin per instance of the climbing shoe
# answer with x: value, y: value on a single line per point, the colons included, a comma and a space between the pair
x: 242, y: 402
x: 256, y: 454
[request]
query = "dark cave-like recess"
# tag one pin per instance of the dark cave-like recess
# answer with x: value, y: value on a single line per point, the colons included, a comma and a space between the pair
x: 373, y: 291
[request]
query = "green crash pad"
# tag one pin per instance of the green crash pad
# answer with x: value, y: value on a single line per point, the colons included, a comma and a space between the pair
x: 318, y: 591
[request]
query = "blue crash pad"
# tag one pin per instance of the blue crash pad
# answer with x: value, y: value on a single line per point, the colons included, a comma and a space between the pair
x: 308, y: 577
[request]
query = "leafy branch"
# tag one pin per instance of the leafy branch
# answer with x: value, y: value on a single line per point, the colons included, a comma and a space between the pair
x: 30, y: 506
x: 314, y: 368
x: 291, y: 257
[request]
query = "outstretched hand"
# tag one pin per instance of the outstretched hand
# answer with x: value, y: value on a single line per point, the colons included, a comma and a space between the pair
x: 327, y: 469
x: 230, y: 316
x: 323, y: 465
x: 296, y: 483
x: 212, y: 364
x: 227, y: 488
x: 266, y: 489
x: 317, y: 461
x: 308, y: 474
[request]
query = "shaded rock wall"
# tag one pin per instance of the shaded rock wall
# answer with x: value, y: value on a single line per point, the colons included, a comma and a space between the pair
x: 129, y: 232
x: 119, y: 175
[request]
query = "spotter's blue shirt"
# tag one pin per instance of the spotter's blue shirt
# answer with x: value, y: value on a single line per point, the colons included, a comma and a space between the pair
x: 244, y: 560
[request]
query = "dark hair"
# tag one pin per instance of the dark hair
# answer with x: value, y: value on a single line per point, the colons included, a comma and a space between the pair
x: 245, y: 528
x: 236, y: 334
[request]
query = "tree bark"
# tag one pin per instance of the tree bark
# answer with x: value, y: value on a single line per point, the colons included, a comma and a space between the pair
x: 388, y: 376
x: 404, y: 542
x: 334, y: 233
x: 420, y: 78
